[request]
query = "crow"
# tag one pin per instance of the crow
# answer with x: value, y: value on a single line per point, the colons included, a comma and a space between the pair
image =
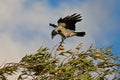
x: 66, y: 27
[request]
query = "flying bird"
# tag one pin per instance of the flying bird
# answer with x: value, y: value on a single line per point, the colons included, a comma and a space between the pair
x: 66, y: 27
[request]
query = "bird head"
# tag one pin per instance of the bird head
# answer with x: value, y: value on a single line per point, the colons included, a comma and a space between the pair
x: 53, y: 33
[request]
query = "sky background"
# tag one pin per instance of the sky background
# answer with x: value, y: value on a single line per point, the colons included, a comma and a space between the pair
x: 24, y: 25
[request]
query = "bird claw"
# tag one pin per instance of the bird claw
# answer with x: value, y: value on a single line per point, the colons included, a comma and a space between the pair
x: 60, y: 47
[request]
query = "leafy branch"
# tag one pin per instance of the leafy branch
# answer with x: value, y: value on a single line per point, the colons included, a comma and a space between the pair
x: 75, y: 64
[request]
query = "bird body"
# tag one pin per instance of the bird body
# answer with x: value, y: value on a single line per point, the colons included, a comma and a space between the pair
x: 64, y: 32
x: 66, y: 27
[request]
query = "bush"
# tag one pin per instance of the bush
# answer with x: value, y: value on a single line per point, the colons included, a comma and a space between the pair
x: 92, y: 64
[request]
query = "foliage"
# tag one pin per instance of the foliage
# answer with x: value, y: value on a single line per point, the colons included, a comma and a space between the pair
x: 92, y: 64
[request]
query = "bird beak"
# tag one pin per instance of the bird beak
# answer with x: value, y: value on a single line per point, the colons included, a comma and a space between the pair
x: 52, y: 37
x: 53, y: 34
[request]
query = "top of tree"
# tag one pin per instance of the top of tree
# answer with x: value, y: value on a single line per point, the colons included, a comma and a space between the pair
x: 92, y: 64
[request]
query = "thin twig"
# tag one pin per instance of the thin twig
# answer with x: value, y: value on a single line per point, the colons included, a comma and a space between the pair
x: 3, y: 63
x: 53, y: 49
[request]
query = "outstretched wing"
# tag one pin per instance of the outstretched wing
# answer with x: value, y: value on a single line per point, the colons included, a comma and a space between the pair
x: 70, y: 21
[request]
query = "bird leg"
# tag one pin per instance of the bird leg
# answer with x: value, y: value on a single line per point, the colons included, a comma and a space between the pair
x: 62, y: 42
x: 60, y: 47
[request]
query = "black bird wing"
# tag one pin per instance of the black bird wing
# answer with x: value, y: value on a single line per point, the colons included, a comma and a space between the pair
x: 70, y: 21
x: 53, y: 25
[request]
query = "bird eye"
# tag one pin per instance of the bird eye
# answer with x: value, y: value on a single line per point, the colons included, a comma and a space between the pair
x: 59, y: 31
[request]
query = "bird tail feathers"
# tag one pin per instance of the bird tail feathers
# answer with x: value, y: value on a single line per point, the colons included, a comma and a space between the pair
x: 81, y: 34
